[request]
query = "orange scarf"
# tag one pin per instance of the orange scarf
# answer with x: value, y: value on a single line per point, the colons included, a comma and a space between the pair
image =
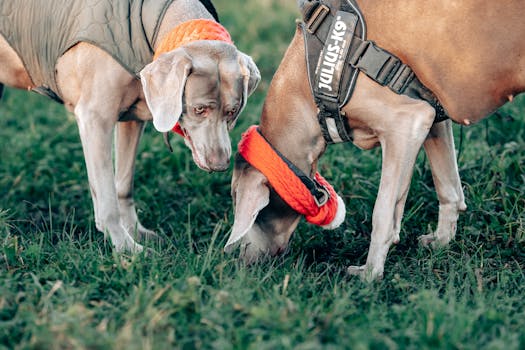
x: 186, y: 32
x: 260, y: 154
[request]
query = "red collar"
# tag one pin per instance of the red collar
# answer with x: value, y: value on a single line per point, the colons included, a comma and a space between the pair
x: 285, y: 181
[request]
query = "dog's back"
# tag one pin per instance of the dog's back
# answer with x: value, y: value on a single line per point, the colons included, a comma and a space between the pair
x: 471, y: 54
x: 41, y: 31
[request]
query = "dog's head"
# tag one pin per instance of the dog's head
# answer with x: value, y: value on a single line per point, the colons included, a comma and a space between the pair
x: 203, y: 85
x: 263, y: 222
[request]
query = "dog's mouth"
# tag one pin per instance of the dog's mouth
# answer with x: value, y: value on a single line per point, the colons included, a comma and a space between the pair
x: 197, y: 157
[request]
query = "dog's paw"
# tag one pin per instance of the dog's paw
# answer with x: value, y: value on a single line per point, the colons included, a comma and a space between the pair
x: 366, y: 273
x: 433, y: 241
x: 149, y: 252
x: 427, y: 240
x: 144, y: 235
x: 129, y: 246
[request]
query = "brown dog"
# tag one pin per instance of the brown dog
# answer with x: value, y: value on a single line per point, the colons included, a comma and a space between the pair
x: 208, y: 82
x: 471, y: 55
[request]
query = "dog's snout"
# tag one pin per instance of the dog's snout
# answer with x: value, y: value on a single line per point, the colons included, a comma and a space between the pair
x: 218, y: 160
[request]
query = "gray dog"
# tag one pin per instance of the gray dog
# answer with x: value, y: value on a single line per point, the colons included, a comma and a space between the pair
x: 89, y: 55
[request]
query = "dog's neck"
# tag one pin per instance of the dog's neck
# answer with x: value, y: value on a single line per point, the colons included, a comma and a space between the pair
x: 288, y: 120
x: 192, y: 30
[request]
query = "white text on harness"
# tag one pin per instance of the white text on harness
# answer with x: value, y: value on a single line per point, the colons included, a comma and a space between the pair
x: 332, y: 55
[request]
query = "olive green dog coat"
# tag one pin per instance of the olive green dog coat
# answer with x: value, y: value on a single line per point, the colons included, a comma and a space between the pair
x: 40, y: 31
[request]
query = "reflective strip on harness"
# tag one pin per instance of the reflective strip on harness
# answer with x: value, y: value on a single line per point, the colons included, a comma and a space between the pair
x: 332, y: 130
x: 329, y: 32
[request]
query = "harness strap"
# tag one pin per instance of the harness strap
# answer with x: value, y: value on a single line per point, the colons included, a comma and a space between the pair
x: 46, y: 91
x: 321, y: 24
x: 329, y: 29
x: 386, y: 69
x: 211, y: 9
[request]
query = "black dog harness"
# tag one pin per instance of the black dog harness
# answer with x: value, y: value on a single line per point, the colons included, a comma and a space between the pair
x: 336, y: 51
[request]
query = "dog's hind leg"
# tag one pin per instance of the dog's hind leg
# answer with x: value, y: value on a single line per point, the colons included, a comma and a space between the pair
x: 440, y: 150
x: 400, y: 143
x: 128, y: 135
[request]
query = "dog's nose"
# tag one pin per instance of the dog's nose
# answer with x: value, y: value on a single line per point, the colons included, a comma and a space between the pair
x: 218, y: 161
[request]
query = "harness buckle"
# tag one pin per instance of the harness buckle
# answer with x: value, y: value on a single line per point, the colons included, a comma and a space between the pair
x: 317, y: 17
x: 375, y: 62
x: 401, y: 79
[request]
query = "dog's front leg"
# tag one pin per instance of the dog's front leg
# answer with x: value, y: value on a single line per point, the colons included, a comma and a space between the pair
x: 400, y: 145
x: 440, y: 150
x: 96, y: 133
x: 127, y: 139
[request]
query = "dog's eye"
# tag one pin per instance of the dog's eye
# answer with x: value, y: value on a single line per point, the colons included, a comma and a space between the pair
x: 199, y: 110
x: 232, y: 112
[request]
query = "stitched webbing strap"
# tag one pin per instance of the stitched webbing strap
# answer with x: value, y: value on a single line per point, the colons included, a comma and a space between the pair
x: 328, y: 28
x: 386, y: 69
x: 211, y: 9
x: 315, y: 199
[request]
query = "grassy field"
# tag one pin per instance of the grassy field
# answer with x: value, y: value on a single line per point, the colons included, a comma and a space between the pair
x: 62, y: 287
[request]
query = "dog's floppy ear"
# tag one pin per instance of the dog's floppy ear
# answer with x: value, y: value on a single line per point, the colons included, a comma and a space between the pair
x: 163, y: 82
x: 251, y: 76
x: 250, y: 194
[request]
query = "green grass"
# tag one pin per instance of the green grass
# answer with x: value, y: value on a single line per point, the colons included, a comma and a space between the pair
x: 62, y: 287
